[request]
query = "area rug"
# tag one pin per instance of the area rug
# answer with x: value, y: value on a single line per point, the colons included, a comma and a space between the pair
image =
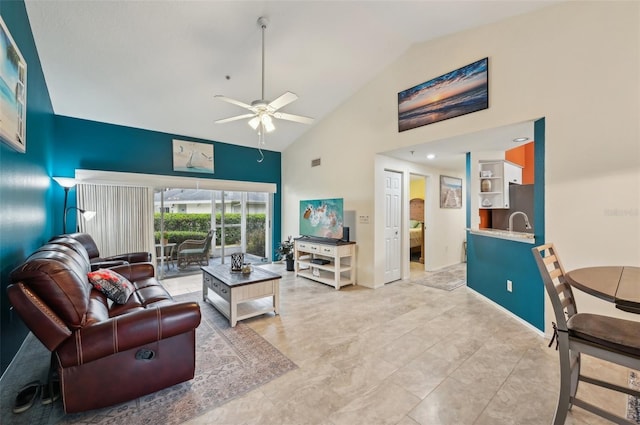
x: 446, y: 279
x: 229, y: 363
x: 633, y: 403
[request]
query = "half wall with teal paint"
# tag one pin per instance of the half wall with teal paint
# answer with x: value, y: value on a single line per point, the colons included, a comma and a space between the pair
x: 491, y: 261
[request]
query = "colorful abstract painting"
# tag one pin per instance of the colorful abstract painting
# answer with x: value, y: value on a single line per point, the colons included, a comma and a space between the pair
x: 322, y: 218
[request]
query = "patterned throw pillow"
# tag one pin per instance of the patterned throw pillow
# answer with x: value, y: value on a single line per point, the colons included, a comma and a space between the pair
x: 115, y: 286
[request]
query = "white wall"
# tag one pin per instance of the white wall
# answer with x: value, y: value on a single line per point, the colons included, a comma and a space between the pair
x: 577, y: 64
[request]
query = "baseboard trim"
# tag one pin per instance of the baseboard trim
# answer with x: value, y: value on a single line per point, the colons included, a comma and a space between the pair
x: 510, y: 313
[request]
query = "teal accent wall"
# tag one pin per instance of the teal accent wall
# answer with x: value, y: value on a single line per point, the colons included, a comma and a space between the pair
x: 25, y: 187
x: 491, y: 261
x: 83, y: 144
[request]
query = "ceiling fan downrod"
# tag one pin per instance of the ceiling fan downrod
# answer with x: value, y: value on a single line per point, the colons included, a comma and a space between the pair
x: 262, y: 22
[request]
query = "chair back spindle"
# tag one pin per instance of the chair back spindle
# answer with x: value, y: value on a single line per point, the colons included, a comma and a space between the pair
x: 556, y: 285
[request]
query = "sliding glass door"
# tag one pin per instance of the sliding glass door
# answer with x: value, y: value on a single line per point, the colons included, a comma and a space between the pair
x: 239, y: 221
x: 241, y: 224
x: 257, y: 214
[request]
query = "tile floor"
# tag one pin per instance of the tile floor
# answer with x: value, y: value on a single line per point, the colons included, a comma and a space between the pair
x: 403, y: 354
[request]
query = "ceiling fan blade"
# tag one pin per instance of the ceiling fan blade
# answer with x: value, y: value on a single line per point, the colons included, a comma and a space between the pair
x: 291, y: 117
x: 283, y: 100
x: 238, y: 117
x: 232, y: 101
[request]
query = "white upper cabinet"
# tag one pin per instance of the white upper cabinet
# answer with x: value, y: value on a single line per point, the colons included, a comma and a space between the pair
x: 495, y: 177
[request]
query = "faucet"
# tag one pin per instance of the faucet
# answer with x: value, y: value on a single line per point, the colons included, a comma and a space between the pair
x: 526, y: 220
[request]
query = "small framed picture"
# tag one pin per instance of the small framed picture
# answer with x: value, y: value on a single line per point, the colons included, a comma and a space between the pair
x: 192, y: 157
x: 450, y: 192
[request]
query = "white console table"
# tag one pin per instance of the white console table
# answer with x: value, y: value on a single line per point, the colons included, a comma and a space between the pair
x: 340, y: 258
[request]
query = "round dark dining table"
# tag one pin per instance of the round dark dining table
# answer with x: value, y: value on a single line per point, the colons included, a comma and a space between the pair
x: 616, y: 284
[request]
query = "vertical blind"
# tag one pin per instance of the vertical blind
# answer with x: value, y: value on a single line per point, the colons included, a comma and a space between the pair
x: 124, y: 217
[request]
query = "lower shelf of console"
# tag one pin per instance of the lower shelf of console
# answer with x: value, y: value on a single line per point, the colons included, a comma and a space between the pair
x: 328, y: 277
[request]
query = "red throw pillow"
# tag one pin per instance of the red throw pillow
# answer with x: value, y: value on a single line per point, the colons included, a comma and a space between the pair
x: 115, y: 286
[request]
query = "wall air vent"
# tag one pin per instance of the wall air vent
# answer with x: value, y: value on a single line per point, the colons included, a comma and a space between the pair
x: 315, y: 162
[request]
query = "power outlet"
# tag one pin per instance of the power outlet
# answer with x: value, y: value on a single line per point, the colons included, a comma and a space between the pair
x: 509, y: 286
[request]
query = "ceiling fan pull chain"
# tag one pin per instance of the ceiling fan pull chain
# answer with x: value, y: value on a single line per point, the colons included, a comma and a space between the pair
x: 260, y: 142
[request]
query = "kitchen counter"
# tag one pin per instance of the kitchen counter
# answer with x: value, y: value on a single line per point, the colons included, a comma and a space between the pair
x: 504, y: 234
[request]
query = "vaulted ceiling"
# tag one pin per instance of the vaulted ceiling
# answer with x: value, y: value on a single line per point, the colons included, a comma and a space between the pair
x: 158, y: 64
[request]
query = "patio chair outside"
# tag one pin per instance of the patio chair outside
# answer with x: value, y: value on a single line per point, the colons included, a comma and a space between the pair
x: 194, y: 251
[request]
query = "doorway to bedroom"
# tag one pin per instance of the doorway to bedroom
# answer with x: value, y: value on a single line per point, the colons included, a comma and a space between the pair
x: 417, y: 219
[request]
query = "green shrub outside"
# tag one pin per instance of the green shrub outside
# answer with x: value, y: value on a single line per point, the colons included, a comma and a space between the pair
x: 182, y: 226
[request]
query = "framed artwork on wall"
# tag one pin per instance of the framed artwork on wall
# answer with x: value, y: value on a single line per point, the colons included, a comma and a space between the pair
x: 450, y: 192
x: 192, y: 157
x: 13, y: 92
x: 451, y: 95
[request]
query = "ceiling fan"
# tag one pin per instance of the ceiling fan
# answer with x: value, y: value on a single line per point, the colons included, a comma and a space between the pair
x: 263, y: 111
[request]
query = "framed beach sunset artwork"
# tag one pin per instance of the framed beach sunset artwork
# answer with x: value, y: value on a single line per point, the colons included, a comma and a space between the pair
x: 192, y: 157
x: 453, y: 94
x: 13, y: 92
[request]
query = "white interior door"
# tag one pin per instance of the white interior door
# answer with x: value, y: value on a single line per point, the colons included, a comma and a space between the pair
x: 392, y: 235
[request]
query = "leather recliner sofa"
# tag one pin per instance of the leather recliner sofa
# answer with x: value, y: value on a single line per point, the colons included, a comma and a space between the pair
x: 105, y: 353
x: 97, y: 261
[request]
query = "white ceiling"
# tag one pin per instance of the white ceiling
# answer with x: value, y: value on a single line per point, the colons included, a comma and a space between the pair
x: 158, y: 64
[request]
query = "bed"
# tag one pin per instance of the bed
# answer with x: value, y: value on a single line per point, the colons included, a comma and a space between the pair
x: 416, y: 228
x: 415, y: 236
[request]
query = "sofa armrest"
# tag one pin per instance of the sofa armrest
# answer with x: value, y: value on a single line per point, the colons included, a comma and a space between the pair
x: 129, y: 331
x: 45, y: 324
x: 131, y: 257
x: 135, y: 271
x: 107, y: 264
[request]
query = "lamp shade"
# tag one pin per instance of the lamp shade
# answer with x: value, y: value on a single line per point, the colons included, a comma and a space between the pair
x: 267, y: 122
x: 87, y: 215
x: 253, y: 122
x: 65, y: 181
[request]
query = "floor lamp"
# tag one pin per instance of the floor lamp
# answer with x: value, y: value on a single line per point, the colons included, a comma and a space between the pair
x: 67, y: 183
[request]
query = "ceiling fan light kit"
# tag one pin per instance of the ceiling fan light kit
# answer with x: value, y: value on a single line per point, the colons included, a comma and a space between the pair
x: 263, y: 111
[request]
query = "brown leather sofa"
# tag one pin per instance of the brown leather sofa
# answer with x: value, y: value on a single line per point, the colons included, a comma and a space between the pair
x: 105, y: 353
x: 104, y: 262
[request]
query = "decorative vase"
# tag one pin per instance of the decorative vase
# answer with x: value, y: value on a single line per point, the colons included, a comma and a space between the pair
x: 165, y: 242
x: 236, y: 262
x: 485, y: 185
x: 289, y: 262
